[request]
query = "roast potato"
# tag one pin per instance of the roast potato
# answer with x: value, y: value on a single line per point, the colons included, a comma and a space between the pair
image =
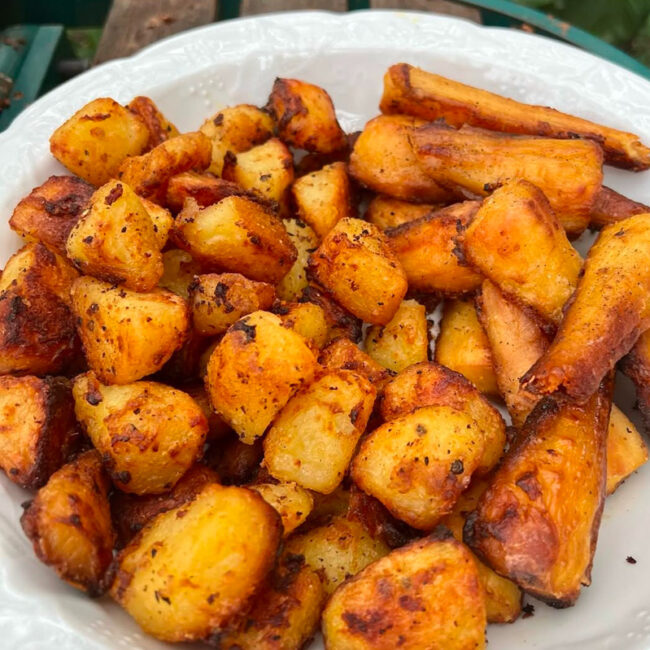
x: 636, y: 366
x: 69, y: 523
x: 306, y: 318
x: 313, y: 438
x: 355, y: 264
x: 236, y: 462
x: 386, y: 212
x: 292, y: 502
x: 162, y: 221
x: 305, y: 242
x: 342, y: 354
x: 127, y: 335
x: 626, y: 449
x: 341, y: 322
x: 179, y: 269
x: 610, y: 206
x: 159, y: 127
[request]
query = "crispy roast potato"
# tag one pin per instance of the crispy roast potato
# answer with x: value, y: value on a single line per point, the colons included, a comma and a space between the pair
x: 258, y: 365
x: 428, y: 250
x: 537, y: 523
x: 386, y: 212
x: 403, y: 341
x: 305, y: 116
x: 218, y: 300
x: 149, y: 434
x: 131, y: 512
x: 341, y: 322
x: 285, y: 614
x: 382, y: 160
x: 236, y: 235
x: 322, y: 198
x: 159, y: 127
x: 626, y: 449
x: 636, y: 365
x: 115, y: 240
x: 149, y: 173
x: 517, y: 242
x: 38, y: 427
x: 606, y: 315
x: 189, y: 573
x: 265, y: 170
x: 503, y: 598
x: 343, y: 354
x: 69, y: 523
x: 430, y: 384
x: 355, y: 264
x: 569, y: 172
x: 337, y: 550
x: 305, y: 242
x: 463, y: 346
x: 292, y: 502
x: 314, y: 437
x: 424, y: 596
x: 306, y: 318
x: 432, y: 97
x: 37, y: 333
x: 95, y: 141
x: 127, y: 335
x: 610, y: 206
x: 236, y: 462
x: 418, y: 464
x: 236, y: 128
x: 49, y: 211
x: 179, y: 269
x: 162, y: 221
x: 217, y: 427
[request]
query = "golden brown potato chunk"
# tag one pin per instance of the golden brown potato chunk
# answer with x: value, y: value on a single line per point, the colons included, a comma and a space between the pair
x: 93, y: 142
x: 537, y: 523
x: 149, y: 173
x: 606, y: 315
x: 463, y: 346
x: 218, y: 300
x: 569, y: 172
x: 314, y: 437
x: 418, y: 464
x: 517, y: 242
x: 305, y: 242
x: 236, y: 235
x: 127, y: 335
x: 159, y: 127
x: 258, y: 365
x: 292, y: 502
x: 424, y: 596
x: 341, y: 322
x: 305, y: 116
x: 356, y: 265
x: 307, y: 319
x: 322, y: 198
x: 343, y: 354
x: 162, y: 221
x: 217, y: 427
x: 50, y: 210
x: 432, y: 97
x: 626, y: 449
x: 149, y: 434
x: 382, y: 160
x: 37, y: 427
x: 386, y: 212
x: 428, y: 250
x: 502, y: 596
x: 430, y: 384
x: 179, y: 270
x: 131, y: 512
x: 610, y: 207
x: 337, y: 550
x: 517, y: 340
x: 266, y: 170
x: 69, y: 523
x: 236, y: 128
x: 193, y: 569
x: 37, y: 333
x: 285, y: 615
x: 115, y: 239
x: 403, y: 341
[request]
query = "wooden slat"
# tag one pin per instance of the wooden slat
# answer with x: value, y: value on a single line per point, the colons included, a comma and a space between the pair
x: 132, y: 24
x: 437, y: 6
x: 253, y: 7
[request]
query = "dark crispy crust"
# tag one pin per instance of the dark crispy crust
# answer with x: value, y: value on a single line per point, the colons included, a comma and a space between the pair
x: 235, y: 462
x: 343, y: 354
x: 537, y: 523
x: 50, y: 210
x: 159, y: 129
x: 341, y: 321
x: 610, y: 206
x: 412, y: 91
x: 636, y: 365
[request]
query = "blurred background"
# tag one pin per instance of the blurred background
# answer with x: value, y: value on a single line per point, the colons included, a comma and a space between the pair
x: 45, y: 42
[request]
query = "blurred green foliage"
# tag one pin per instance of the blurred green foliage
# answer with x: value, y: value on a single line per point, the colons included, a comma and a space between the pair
x: 623, y: 23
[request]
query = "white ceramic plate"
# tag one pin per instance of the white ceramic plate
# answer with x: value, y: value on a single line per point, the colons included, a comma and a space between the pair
x: 191, y: 76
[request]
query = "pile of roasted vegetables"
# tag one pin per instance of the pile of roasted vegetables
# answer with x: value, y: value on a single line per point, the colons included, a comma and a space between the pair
x: 216, y: 367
